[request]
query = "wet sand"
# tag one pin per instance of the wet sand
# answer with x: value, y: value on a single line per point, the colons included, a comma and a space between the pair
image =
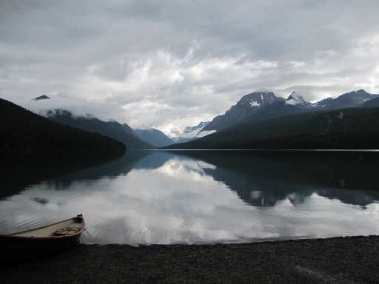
x: 336, y: 260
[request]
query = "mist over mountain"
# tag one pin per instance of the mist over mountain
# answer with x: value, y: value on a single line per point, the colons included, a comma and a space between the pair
x: 42, y: 97
x: 113, y: 129
x: 54, y: 109
x: 29, y: 138
x: 193, y: 132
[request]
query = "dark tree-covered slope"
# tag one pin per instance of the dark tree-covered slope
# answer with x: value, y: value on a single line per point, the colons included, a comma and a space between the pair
x: 27, y: 138
x: 355, y: 128
x: 113, y: 129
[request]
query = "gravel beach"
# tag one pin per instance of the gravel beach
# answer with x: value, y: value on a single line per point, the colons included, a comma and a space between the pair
x: 335, y: 260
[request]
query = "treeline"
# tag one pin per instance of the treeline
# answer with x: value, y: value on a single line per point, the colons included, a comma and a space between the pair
x: 353, y: 128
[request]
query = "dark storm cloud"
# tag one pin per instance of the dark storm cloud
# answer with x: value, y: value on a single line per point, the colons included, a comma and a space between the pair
x: 172, y: 63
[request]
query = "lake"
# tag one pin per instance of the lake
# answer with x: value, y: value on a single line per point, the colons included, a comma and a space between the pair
x: 153, y: 197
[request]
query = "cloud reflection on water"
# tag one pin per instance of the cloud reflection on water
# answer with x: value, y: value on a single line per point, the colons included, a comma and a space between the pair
x: 178, y: 201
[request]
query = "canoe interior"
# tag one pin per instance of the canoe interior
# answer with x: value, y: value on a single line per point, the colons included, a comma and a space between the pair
x: 72, y: 225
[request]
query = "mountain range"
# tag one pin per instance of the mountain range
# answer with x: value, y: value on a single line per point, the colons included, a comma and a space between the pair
x: 251, y: 110
x: 258, y: 106
x: 263, y: 120
x: 122, y: 132
x: 351, y: 99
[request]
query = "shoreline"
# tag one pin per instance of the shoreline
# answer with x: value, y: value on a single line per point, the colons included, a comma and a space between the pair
x: 330, y: 260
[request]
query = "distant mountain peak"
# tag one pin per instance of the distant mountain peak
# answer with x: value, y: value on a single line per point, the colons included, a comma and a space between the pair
x: 154, y: 137
x: 197, y: 127
x: 358, y: 94
x: 193, y: 132
x: 295, y: 99
x: 257, y: 99
x: 245, y: 107
x: 349, y: 99
x: 361, y: 91
x: 40, y: 98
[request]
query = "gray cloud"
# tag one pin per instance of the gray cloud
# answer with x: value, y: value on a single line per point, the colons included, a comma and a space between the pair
x: 169, y: 64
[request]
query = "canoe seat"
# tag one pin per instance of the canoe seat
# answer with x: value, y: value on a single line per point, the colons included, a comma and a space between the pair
x: 67, y: 231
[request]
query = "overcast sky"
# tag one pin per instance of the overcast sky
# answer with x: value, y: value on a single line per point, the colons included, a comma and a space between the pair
x: 170, y: 64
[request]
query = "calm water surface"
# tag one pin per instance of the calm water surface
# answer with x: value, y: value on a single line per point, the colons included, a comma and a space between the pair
x: 165, y: 198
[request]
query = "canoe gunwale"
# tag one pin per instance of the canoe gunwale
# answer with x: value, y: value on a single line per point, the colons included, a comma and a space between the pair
x: 75, y: 235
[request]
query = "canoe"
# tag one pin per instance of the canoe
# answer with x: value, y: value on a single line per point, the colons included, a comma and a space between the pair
x: 43, y: 240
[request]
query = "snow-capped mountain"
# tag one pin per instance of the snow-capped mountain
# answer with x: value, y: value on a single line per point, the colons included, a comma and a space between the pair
x: 245, y: 107
x: 257, y: 99
x: 259, y: 106
x: 194, y: 132
x: 195, y: 129
x: 296, y: 99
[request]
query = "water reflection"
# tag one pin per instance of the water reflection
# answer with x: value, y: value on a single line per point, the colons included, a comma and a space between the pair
x: 165, y: 198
